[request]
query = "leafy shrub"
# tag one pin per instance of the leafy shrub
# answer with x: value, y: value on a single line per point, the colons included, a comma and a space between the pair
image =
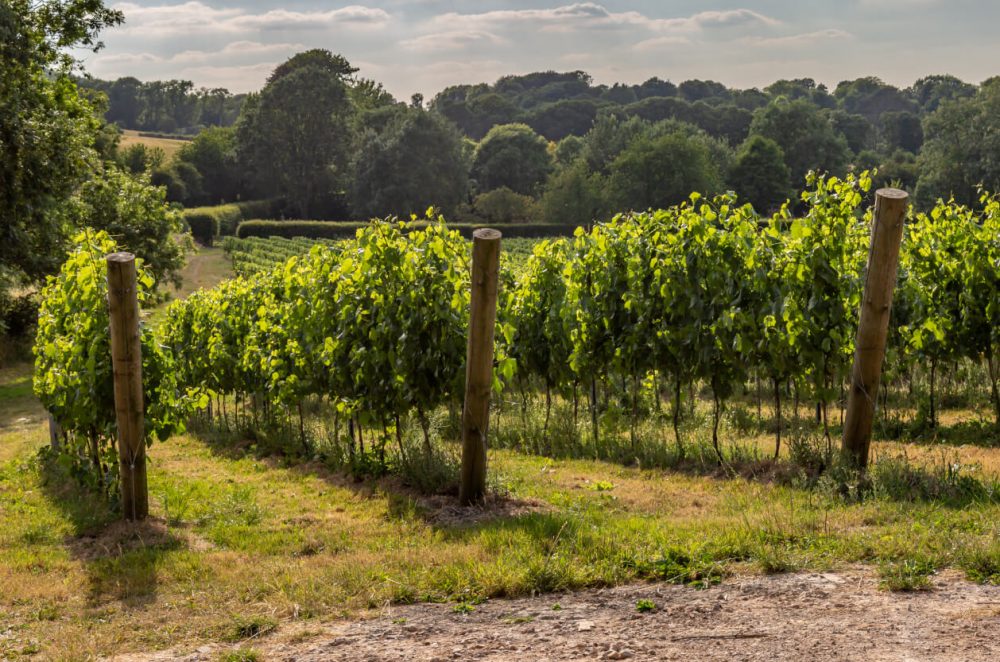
x: 206, y: 223
x: 18, y: 314
x: 73, y: 373
x: 504, y: 206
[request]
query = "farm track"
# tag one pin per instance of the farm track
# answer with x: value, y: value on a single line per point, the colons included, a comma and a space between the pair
x: 804, y: 616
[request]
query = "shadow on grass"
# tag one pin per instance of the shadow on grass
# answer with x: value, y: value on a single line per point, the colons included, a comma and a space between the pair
x: 120, y: 557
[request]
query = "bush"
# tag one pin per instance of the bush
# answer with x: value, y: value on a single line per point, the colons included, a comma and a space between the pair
x: 18, y: 314
x: 504, y: 206
x: 252, y: 209
x: 206, y: 223
x: 347, y: 229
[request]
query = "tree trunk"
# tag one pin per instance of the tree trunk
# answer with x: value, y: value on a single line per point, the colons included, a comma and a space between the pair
x: 635, y: 409
x: 716, y: 414
x: 777, y: 419
x: 426, y: 428
x: 593, y: 411
x: 933, y: 411
x: 677, y: 417
x: 548, y: 406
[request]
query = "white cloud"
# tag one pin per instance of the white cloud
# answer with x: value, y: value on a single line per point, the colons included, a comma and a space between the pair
x: 450, y: 41
x: 197, y: 18
x: 589, y: 15
x: 234, y: 51
x: 804, y: 39
x: 660, y: 43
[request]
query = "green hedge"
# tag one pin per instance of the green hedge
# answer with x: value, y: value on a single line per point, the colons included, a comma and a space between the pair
x: 206, y: 223
x: 346, y: 229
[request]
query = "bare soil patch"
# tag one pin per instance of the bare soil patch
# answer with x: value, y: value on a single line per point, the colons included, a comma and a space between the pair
x: 804, y: 616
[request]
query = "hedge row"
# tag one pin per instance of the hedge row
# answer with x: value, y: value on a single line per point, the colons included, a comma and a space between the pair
x: 165, y: 136
x: 347, y: 229
x: 206, y: 223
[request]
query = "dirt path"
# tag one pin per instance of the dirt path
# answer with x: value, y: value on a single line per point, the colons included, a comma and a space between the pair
x: 803, y: 617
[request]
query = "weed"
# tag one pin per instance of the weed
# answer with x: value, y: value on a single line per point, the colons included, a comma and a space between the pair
x: 240, y: 655
x: 250, y: 627
x: 463, y: 608
x: 982, y: 564
x: 905, y: 575
x: 644, y: 605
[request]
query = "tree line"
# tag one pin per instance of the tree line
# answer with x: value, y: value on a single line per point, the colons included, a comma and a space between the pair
x: 557, y: 148
x: 164, y: 106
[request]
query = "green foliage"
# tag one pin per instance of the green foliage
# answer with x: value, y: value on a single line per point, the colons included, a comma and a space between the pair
x: 661, y: 172
x: 376, y: 324
x: 512, y: 156
x: 135, y: 213
x: 413, y: 161
x: 805, y: 135
x: 139, y: 157
x: 206, y: 223
x: 961, y: 139
x: 760, y: 175
x: 213, y: 155
x: 503, y: 206
x: 47, y: 128
x: 644, y: 606
x: 573, y: 196
x: 905, y: 575
x: 73, y: 373
x: 295, y: 135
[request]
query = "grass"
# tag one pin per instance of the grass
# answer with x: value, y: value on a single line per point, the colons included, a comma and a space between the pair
x: 260, y: 545
x: 170, y: 147
x: 206, y: 267
x: 244, y: 543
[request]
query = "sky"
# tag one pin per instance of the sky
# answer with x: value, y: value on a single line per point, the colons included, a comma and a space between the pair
x: 425, y: 45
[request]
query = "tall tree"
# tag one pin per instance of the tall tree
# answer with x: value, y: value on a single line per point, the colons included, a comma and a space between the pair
x: 760, y: 175
x: 962, y: 139
x: 409, y: 162
x: 514, y: 156
x: 663, y: 171
x: 804, y: 134
x: 295, y: 136
x: 47, y: 129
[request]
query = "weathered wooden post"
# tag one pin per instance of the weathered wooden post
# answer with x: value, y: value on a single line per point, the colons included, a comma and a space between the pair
x: 126, y: 358
x: 479, y: 364
x: 873, y: 329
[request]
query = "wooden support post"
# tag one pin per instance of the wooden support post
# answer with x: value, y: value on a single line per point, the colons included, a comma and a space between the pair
x: 479, y: 364
x: 126, y: 358
x: 873, y: 328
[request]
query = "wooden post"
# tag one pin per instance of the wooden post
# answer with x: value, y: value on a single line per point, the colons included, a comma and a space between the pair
x: 126, y: 358
x: 873, y: 328
x: 479, y: 364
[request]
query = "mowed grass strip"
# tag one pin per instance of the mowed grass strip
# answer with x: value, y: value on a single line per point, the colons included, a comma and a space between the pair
x: 238, y: 539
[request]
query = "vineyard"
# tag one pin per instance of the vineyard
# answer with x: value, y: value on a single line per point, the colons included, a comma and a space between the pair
x: 256, y: 254
x: 369, y: 333
x: 647, y: 372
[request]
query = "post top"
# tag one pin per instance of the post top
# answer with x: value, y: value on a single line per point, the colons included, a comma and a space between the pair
x: 489, y: 234
x: 120, y: 257
x: 893, y: 193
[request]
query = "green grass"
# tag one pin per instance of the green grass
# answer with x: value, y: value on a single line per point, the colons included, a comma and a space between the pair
x: 242, y: 543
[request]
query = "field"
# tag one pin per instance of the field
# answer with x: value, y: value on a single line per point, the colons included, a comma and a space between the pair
x: 169, y: 146
x: 276, y: 521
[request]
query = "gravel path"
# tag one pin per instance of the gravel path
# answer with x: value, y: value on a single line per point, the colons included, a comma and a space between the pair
x: 805, y: 617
